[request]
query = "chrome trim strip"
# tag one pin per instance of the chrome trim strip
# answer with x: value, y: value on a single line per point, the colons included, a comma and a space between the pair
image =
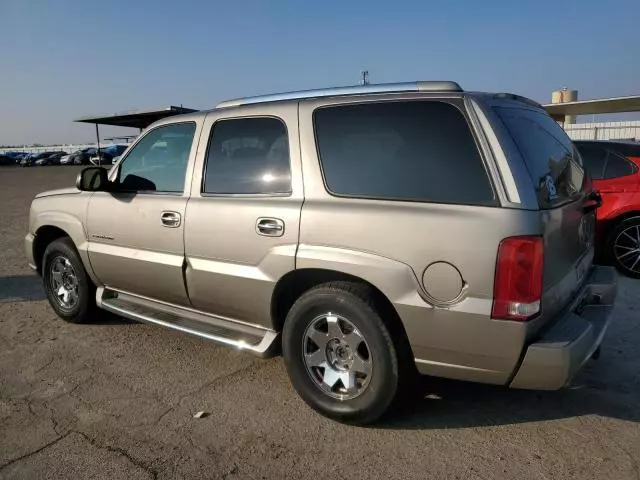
x: 454, y: 366
x: 499, y: 155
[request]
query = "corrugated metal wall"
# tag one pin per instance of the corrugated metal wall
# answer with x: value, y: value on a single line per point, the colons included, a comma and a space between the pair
x: 604, y: 131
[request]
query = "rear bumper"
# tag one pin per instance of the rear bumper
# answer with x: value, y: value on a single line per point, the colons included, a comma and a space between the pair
x: 552, y: 361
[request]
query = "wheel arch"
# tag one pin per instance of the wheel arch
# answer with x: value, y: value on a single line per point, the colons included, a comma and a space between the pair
x: 295, y: 283
x: 51, y: 225
x: 43, y: 237
x: 612, y: 223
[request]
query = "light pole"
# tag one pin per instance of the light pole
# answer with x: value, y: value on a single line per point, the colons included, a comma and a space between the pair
x: 365, y: 77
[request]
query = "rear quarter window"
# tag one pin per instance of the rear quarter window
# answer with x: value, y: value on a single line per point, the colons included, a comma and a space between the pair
x: 411, y: 150
x: 549, y: 154
x: 617, y: 166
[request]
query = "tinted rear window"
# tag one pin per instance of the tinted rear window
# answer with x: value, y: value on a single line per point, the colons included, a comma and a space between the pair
x: 551, y: 158
x: 248, y: 156
x: 412, y: 150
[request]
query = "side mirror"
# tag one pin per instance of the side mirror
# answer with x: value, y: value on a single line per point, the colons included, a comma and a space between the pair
x: 92, y: 179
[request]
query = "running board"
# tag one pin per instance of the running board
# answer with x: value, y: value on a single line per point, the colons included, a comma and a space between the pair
x: 243, y: 336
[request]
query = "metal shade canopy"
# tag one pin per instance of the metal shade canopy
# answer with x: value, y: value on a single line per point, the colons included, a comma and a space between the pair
x: 594, y: 107
x: 135, y: 118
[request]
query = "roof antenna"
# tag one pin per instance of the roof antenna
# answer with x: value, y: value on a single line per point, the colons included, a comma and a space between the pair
x: 365, y: 77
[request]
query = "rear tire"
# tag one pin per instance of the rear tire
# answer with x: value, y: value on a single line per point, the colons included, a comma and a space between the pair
x: 624, y: 247
x: 69, y: 290
x: 339, y: 354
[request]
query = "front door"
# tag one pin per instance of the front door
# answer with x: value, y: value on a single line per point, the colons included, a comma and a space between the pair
x: 243, y: 216
x: 136, y: 231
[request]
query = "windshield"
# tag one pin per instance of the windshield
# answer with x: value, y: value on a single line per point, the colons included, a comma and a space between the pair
x: 551, y: 158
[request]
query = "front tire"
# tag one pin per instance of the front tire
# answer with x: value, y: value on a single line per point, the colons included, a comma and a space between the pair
x: 69, y: 290
x: 339, y: 354
x: 624, y: 247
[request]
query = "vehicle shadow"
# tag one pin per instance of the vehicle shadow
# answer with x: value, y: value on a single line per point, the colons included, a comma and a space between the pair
x: 108, y: 318
x: 21, y: 288
x: 28, y: 288
x: 442, y: 404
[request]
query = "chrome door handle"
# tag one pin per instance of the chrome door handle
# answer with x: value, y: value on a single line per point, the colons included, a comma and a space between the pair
x: 171, y: 219
x: 270, y: 227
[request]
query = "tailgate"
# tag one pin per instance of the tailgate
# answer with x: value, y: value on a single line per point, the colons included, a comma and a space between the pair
x: 568, y: 255
x: 558, y: 178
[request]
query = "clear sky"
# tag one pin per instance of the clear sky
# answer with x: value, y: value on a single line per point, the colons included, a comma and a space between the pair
x: 61, y: 59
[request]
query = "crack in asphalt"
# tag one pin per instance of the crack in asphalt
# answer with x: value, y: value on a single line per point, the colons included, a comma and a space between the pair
x: 153, y: 473
x: 256, y: 365
x: 133, y: 460
x: 33, y: 452
x: 45, y: 365
x: 119, y: 450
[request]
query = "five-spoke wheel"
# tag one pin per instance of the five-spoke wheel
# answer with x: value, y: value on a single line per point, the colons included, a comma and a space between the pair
x: 66, y: 283
x: 339, y: 353
x: 337, y: 356
x: 624, y: 247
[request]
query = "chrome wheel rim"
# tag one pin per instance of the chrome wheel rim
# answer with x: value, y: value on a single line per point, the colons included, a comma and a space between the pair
x: 626, y: 248
x: 63, y: 282
x: 336, y: 356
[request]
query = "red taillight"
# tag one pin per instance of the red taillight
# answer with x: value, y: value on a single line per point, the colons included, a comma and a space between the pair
x: 517, y: 290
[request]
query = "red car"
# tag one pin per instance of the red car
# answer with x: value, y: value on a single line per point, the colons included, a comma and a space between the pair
x: 615, y: 170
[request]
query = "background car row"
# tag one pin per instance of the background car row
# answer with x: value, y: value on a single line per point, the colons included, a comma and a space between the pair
x: 86, y: 156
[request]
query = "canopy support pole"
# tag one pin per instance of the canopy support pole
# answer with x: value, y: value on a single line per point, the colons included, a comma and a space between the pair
x: 98, y: 139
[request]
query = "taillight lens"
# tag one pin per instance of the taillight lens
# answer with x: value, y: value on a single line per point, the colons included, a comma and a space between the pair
x: 518, y: 282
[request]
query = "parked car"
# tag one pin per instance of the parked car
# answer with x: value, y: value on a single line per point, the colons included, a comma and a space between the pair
x: 53, y: 159
x: 82, y: 157
x: 15, y: 156
x: 434, y: 229
x: 70, y: 159
x: 32, y: 158
x: 107, y: 154
x: 615, y: 170
x: 6, y: 160
x: 26, y: 160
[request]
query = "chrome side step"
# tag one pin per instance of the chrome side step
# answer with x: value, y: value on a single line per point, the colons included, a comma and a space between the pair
x: 254, y: 339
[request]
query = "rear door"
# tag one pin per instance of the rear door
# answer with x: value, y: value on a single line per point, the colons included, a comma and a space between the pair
x: 558, y: 178
x: 243, y: 217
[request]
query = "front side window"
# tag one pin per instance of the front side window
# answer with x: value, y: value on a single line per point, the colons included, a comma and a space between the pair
x: 409, y: 150
x: 248, y: 156
x: 158, y: 162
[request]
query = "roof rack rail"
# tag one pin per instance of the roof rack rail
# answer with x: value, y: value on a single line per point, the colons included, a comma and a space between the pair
x: 421, y: 86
